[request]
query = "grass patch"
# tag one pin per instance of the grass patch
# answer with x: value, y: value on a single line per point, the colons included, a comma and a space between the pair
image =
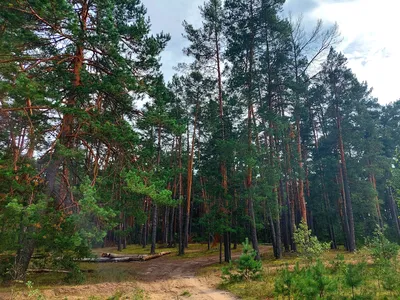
x: 264, y: 288
x: 193, y: 251
x: 186, y: 294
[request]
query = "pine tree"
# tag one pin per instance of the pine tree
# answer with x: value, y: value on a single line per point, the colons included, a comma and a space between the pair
x: 93, y: 59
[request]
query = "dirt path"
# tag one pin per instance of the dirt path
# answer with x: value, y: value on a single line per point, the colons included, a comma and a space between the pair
x: 170, y: 278
x: 166, y: 278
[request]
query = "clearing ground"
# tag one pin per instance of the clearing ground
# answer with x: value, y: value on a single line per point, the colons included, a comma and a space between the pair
x: 168, y: 277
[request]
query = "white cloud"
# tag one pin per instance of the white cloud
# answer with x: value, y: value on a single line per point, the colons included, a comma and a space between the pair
x: 369, y: 29
x: 168, y: 16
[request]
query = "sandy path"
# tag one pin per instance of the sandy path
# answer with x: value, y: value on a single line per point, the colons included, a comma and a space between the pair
x: 169, y: 278
x: 166, y: 278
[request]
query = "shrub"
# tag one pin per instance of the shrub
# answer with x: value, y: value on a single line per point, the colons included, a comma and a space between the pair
x: 284, y: 282
x: 354, y: 275
x: 381, y: 249
x: 34, y: 293
x: 309, y: 282
x: 308, y: 246
x: 384, y: 254
x: 245, y: 268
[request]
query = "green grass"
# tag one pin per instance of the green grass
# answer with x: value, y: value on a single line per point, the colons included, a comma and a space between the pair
x: 193, y: 251
x: 186, y: 294
x: 130, y: 249
x: 124, y: 272
x: 264, y: 288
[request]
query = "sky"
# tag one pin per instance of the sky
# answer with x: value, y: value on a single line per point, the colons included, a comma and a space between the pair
x: 369, y: 31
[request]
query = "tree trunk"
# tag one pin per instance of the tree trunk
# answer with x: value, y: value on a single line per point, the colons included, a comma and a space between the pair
x: 154, y: 230
x: 302, y: 201
x: 394, y: 211
x: 166, y: 226
x: 227, y: 246
x: 348, y: 204
x: 181, y: 250
x: 171, y: 241
x: 253, y: 227
x: 372, y: 180
x: 190, y: 179
x: 24, y: 253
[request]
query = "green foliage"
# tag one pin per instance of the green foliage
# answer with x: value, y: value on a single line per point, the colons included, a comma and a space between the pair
x: 384, y: 254
x: 93, y: 220
x: 308, y: 246
x: 140, y: 294
x: 186, y: 294
x: 309, y: 282
x: 285, y: 282
x: 381, y: 249
x: 338, y: 265
x: 34, y: 293
x: 117, y: 296
x: 147, y: 184
x: 245, y: 268
x: 354, y: 275
x: 390, y: 280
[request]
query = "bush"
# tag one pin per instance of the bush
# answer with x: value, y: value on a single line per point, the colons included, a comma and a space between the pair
x: 354, y: 276
x: 308, y: 246
x: 309, y: 282
x: 381, y: 249
x: 384, y: 254
x: 245, y: 268
x: 285, y: 281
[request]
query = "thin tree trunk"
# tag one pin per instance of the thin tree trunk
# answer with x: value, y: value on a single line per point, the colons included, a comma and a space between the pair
x: 372, y: 180
x: 166, y: 226
x: 190, y: 178
x: 249, y: 183
x: 171, y: 241
x: 394, y: 210
x: 181, y: 250
x: 155, y: 208
x: 154, y: 230
x: 349, y: 206
x: 302, y: 201
x: 24, y: 252
x: 343, y: 209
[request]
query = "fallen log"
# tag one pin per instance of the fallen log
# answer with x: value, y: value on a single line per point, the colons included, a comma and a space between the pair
x: 47, y: 271
x: 148, y: 257
x: 106, y: 259
x: 129, y: 257
x: 93, y: 259
x: 132, y: 256
x: 112, y: 257
x: 55, y: 271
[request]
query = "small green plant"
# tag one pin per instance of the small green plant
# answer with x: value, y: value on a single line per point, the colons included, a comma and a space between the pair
x: 186, y: 294
x: 308, y: 246
x: 309, y: 282
x: 140, y: 294
x: 338, y: 265
x: 34, y: 293
x: 381, y: 248
x: 75, y: 276
x: 384, y: 254
x: 285, y: 281
x: 117, y: 295
x: 245, y: 268
x: 354, y: 276
x: 324, y: 283
x: 390, y: 280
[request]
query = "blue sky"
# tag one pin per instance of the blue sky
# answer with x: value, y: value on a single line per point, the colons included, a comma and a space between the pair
x: 368, y: 28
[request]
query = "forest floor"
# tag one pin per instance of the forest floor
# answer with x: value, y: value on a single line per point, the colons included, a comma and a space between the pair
x: 167, y: 277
